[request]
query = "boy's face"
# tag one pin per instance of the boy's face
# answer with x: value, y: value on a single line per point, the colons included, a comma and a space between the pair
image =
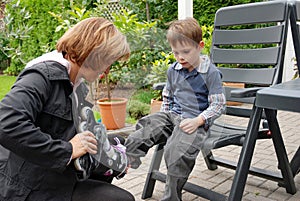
x: 187, y: 54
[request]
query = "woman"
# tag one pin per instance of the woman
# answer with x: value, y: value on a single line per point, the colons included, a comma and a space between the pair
x: 38, y: 130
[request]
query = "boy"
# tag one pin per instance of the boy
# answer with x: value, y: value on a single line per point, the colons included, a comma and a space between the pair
x: 192, y: 98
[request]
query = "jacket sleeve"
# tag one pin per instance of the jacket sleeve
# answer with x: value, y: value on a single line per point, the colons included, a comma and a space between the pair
x: 19, y: 110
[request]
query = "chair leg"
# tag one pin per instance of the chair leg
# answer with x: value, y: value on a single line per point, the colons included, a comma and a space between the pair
x: 286, y: 171
x: 154, y: 167
x: 295, y: 163
x: 242, y: 169
x: 208, y: 156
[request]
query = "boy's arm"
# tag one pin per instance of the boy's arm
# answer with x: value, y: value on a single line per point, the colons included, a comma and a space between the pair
x: 167, y: 94
x: 167, y: 103
x: 215, y: 109
x: 216, y: 98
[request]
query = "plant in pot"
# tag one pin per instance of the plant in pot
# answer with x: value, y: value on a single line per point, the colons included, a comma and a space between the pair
x: 112, y: 110
x: 132, y: 71
x: 157, y: 78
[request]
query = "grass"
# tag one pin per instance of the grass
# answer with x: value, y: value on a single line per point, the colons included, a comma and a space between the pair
x: 143, y: 95
x: 6, y: 83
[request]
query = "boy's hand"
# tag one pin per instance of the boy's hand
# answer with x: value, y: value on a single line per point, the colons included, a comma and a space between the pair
x: 191, y: 125
x: 83, y: 143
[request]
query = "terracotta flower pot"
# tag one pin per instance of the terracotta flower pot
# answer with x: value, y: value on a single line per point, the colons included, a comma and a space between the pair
x: 113, y: 113
x: 155, y: 106
x: 233, y: 85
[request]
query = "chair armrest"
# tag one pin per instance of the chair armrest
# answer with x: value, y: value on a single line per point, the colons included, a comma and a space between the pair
x: 245, y: 92
x: 159, y: 86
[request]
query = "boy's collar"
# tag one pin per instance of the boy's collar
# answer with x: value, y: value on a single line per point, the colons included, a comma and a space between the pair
x: 202, y: 68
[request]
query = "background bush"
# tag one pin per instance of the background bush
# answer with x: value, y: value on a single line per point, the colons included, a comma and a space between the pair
x: 164, y: 11
x: 33, y: 27
x: 30, y: 30
x: 137, y: 109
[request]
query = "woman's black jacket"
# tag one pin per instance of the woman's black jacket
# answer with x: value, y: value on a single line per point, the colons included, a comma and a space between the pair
x: 36, y: 124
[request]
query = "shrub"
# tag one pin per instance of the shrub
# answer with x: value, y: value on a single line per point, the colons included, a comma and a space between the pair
x: 31, y: 30
x: 4, y: 60
x: 164, y: 11
x: 137, y: 109
x: 139, y: 104
x: 145, y: 40
x: 24, y: 22
x: 143, y: 95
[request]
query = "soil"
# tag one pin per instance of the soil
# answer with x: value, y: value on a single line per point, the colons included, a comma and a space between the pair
x: 117, y: 91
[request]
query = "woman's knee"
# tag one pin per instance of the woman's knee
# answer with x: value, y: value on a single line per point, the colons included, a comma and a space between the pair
x: 92, y: 190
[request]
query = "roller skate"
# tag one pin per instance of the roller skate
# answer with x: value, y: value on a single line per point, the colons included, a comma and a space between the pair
x: 112, y: 157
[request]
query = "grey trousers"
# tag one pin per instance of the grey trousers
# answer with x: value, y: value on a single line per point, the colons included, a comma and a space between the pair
x: 180, y: 151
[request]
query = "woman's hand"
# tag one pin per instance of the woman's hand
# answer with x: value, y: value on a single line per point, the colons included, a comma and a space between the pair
x: 83, y: 143
x: 191, y: 125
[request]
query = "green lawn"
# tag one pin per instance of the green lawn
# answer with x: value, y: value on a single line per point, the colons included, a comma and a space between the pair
x: 5, y: 84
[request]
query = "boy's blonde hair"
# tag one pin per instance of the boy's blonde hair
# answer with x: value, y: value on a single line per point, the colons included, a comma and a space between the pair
x: 92, y: 42
x: 184, y: 31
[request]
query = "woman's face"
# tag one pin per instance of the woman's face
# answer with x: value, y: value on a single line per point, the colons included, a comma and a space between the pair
x: 90, y: 74
x: 93, y: 66
x: 89, y: 70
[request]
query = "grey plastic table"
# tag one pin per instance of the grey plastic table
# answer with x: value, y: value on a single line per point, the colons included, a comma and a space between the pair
x: 284, y: 96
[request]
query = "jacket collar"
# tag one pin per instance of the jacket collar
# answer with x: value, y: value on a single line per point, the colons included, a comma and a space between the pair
x: 50, y: 56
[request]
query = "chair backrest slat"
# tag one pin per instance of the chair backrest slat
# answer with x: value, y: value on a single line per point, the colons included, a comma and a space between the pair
x: 254, y: 36
x: 263, y: 12
x: 295, y: 20
x: 246, y: 56
x: 249, y: 42
x: 253, y: 76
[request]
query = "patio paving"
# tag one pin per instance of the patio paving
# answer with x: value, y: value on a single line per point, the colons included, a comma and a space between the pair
x: 257, y: 189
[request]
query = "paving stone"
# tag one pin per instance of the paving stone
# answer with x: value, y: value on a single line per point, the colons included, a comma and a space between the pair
x: 256, y: 189
x: 280, y: 194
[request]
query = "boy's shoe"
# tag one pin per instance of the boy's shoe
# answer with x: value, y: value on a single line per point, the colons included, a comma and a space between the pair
x: 134, y: 162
